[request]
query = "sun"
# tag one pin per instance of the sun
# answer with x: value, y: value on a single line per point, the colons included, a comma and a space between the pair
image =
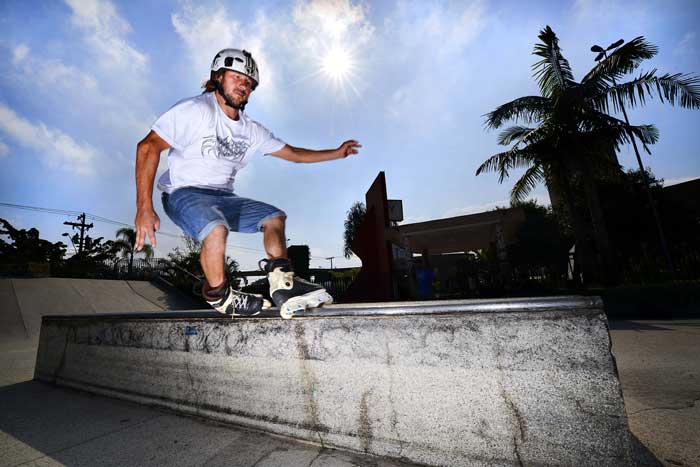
x: 337, y: 64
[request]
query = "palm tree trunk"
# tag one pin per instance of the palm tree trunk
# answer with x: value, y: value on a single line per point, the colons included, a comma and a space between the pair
x: 609, y: 274
x: 555, y: 195
x: 586, y: 255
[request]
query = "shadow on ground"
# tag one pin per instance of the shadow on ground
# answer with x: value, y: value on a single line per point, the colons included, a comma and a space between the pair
x: 42, y: 424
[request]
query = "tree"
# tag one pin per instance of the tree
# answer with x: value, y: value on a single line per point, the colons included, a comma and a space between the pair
x: 574, y: 142
x: 542, y: 243
x: 89, y: 262
x: 125, y: 246
x: 27, y: 247
x: 188, y: 272
x: 354, y: 219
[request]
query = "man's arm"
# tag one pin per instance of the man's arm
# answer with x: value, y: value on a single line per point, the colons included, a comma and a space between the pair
x: 293, y: 154
x: 147, y: 157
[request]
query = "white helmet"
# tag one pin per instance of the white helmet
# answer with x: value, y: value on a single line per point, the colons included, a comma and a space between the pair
x: 237, y: 60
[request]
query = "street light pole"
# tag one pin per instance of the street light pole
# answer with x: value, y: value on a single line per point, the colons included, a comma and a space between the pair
x: 657, y: 220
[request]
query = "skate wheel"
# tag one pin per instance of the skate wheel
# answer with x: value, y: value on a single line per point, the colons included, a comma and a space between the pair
x: 286, y: 312
x: 328, y: 300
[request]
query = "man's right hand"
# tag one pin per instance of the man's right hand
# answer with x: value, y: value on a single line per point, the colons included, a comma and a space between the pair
x: 147, y: 222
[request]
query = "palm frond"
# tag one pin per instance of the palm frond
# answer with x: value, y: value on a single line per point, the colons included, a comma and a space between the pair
x: 128, y: 234
x: 514, y: 133
x: 122, y: 247
x: 647, y: 134
x: 526, y: 183
x: 553, y: 72
x: 528, y: 109
x: 678, y: 88
x: 147, y: 250
x: 503, y: 162
x: 622, y: 61
x: 617, y: 133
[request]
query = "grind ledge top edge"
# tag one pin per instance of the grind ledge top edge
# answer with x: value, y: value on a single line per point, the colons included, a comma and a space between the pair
x: 441, y: 307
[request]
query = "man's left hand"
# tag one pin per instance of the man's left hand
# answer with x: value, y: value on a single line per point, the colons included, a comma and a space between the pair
x: 349, y: 147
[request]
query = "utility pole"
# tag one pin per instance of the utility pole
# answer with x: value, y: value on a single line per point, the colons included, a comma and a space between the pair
x: 330, y: 258
x: 659, y: 228
x: 83, y: 228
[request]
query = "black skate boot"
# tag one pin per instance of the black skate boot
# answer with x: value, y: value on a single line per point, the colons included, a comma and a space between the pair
x: 228, y: 301
x: 290, y: 293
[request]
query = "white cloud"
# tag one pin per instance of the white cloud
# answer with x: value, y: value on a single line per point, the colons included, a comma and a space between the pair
x: 324, y: 25
x: 4, y: 149
x: 430, y: 40
x: 206, y: 30
x: 333, y: 41
x: 59, y: 149
x: 51, y: 72
x: 106, y: 33
x: 439, y: 29
x: 122, y: 111
x: 287, y: 51
x: 333, y: 19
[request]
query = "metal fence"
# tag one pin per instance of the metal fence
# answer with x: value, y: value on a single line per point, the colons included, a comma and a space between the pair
x: 649, y: 268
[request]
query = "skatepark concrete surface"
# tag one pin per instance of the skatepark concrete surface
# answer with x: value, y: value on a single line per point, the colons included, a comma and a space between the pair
x: 24, y: 301
x: 659, y: 365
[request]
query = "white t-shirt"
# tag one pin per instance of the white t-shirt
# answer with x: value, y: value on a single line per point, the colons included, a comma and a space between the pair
x: 207, y: 147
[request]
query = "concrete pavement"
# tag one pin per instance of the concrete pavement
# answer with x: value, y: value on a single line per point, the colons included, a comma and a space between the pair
x: 659, y: 365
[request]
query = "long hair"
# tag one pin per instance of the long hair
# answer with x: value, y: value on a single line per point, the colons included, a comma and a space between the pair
x: 209, y: 85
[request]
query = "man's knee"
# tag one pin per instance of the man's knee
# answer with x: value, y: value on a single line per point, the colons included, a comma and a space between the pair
x: 274, y: 223
x: 217, y: 234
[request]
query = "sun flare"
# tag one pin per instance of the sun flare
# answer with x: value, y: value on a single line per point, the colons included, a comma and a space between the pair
x: 337, y: 64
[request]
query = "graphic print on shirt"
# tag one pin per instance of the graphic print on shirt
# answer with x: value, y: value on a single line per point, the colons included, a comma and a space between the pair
x: 215, y: 147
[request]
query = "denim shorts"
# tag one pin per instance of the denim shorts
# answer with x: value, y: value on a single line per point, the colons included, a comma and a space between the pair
x: 198, y: 210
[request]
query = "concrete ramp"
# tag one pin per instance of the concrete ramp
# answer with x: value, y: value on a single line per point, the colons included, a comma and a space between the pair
x: 479, y: 383
x: 24, y: 301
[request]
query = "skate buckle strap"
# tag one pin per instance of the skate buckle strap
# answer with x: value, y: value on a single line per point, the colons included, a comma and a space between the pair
x: 280, y: 279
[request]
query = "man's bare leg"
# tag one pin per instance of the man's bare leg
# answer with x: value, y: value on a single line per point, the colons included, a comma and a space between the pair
x: 274, y: 238
x: 217, y: 290
x: 213, y: 255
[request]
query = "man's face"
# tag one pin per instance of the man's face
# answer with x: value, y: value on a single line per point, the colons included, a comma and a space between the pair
x: 237, y: 87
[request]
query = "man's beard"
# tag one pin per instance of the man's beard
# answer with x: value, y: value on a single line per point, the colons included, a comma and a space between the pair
x: 232, y: 103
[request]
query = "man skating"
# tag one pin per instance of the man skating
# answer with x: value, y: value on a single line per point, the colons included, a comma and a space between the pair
x: 210, y: 139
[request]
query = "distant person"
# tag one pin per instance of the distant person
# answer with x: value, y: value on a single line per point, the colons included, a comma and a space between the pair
x: 425, y: 276
x: 210, y: 139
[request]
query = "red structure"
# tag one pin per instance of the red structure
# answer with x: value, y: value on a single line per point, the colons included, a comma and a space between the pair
x: 374, y: 282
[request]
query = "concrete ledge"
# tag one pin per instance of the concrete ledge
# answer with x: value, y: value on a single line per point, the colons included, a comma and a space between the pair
x: 483, y: 383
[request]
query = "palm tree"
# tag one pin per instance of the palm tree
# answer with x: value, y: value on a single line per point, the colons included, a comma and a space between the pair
x: 125, y: 246
x: 353, y: 220
x: 574, y: 141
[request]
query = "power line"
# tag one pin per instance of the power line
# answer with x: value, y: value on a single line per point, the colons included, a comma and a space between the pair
x: 106, y: 220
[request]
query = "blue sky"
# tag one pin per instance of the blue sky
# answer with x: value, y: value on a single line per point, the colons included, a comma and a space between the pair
x: 81, y: 82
